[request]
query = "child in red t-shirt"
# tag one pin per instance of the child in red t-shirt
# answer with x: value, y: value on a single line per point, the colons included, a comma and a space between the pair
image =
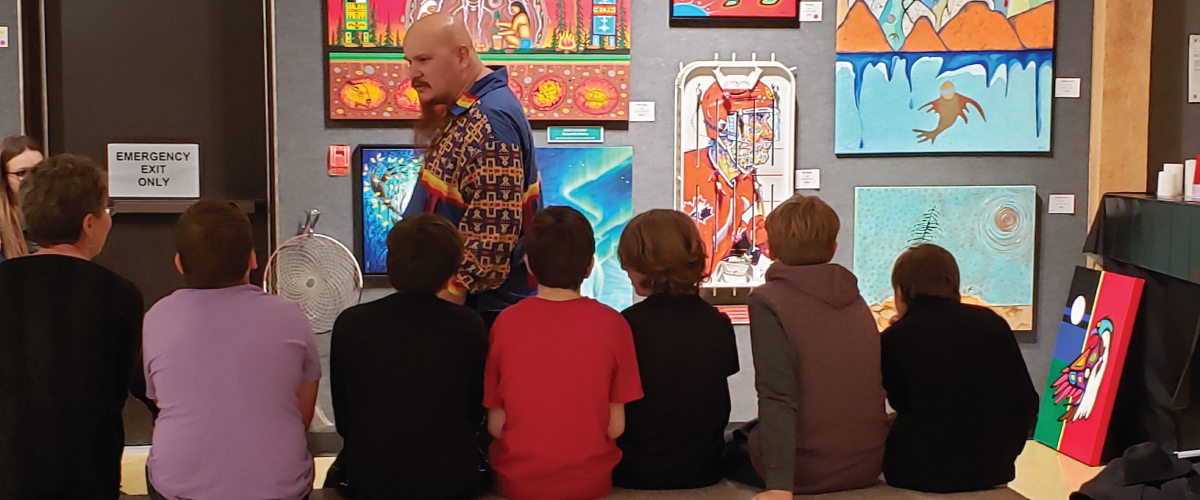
x: 560, y: 370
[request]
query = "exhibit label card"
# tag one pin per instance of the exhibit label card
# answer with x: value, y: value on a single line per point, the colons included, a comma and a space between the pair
x: 808, y: 179
x: 154, y: 170
x: 1194, y: 68
x: 3, y: 36
x: 1067, y: 87
x: 810, y: 12
x: 641, y: 111
x: 1062, y: 204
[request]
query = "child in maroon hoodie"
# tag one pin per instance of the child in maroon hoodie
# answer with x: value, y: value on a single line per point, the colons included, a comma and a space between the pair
x: 822, y: 422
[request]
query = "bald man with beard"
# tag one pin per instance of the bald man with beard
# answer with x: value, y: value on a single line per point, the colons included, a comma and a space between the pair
x: 480, y: 172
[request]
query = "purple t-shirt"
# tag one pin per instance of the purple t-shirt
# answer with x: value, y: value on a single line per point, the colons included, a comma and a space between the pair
x: 225, y: 366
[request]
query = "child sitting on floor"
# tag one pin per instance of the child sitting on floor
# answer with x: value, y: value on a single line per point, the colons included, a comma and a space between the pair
x: 686, y: 349
x: 560, y: 370
x: 938, y: 348
x: 816, y: 358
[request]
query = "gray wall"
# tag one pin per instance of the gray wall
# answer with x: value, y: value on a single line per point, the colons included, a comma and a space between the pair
x: 303, y: 142
x: 10, y: 93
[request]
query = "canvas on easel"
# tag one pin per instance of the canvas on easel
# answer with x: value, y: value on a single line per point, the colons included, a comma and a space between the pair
x: 1085, y: 370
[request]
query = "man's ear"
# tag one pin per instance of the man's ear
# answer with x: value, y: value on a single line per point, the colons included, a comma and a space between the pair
x: 253, y: 260
x: 178, y: 264
x: 591, y: 265
x: 464, y: 55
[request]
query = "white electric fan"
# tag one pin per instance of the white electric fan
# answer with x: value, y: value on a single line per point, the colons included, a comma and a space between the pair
x: 316, y: 271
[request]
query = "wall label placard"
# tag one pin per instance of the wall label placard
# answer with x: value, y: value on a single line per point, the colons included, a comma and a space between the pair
x: 154, y: 170
x: 578, y: 135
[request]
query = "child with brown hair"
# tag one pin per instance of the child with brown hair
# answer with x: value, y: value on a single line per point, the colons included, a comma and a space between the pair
x: 559, y: 372
x: 937, y: 334
x: 816, y: 358
x: 685, y: 350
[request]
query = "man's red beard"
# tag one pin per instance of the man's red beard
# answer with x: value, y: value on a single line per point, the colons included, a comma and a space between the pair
x: 428, y: 129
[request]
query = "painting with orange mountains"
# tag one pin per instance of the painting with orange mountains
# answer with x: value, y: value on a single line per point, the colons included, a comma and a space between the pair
x: 944, y: 76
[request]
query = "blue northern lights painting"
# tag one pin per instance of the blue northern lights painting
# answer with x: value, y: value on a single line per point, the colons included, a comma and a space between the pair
x: 598, y: 182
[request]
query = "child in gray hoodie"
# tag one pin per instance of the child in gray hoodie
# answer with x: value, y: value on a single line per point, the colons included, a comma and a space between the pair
x: 822, y: 421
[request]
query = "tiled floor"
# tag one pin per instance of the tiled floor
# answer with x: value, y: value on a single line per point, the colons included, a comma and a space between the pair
x: 1042, y: 474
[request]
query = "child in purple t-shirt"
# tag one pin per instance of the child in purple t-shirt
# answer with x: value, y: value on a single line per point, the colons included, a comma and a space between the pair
x: 233, y: 369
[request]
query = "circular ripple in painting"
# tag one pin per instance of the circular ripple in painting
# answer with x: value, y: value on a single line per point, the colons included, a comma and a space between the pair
x: 1006, y: 223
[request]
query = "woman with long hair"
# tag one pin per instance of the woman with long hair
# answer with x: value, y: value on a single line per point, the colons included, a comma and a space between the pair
x: 18, y: 155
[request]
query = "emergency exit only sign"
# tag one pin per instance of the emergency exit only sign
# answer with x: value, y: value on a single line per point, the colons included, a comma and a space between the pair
x: 154, y: 170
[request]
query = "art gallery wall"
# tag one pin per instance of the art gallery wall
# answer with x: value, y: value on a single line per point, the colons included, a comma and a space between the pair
x: 10, y: 93
x: 303, y: 139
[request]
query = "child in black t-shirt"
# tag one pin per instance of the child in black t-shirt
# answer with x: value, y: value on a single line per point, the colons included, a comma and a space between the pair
x: 685, y: 350
x: 941, y: 348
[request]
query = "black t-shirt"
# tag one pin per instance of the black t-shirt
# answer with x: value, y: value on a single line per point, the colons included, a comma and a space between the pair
x: 674, y: 436
x: 406, y: 373
x: 70, y: 331
x: 958, y: 382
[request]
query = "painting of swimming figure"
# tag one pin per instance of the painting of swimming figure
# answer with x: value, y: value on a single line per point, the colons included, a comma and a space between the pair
x: 990, y: 230
x: 944, y: 76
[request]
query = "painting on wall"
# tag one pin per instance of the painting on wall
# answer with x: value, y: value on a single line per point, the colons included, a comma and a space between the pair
x: 989, y: 230
x: 735, y: 160
x: 764, y: 12
x: 1085, y: 370
x: 387, y: 176
x: 598, y: 182
x: 944, y: 76
x: 375, y: 86
x: 568, y: 60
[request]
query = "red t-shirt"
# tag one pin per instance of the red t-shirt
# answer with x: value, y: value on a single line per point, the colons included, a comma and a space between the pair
x: 554, y: 368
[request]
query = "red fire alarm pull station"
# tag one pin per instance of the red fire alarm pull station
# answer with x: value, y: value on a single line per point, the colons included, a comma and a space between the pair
x: 339, y: 161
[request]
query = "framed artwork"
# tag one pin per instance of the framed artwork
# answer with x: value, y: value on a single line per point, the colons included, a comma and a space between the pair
x: 598, y: 182
x: 385, y: 179
x: 568, y: 60
x: 989, y: 230
x: 1085, y: 370
x: 944, y: 76
x: 735, y: 13
x: 735, y: 161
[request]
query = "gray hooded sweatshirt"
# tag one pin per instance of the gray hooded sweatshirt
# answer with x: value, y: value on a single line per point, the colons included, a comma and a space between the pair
x: 820, y: 388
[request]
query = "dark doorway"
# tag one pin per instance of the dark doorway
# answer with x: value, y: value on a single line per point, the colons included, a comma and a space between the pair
x: 146, y: 71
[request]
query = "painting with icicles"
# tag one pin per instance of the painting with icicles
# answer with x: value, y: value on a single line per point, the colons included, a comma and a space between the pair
x: 944, y: 76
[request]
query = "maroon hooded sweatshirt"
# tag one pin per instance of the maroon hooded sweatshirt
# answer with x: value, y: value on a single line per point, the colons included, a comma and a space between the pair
x: 820, y: 389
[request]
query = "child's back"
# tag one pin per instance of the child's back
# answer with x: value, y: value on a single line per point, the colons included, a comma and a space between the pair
x: 554, y: 368
x: 673, y: 438
x: 813, y: 334
x: 943, y: 348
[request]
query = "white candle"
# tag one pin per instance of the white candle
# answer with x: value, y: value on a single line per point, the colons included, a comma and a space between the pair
x: 1169, y: 183
x: 1177, y: 169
